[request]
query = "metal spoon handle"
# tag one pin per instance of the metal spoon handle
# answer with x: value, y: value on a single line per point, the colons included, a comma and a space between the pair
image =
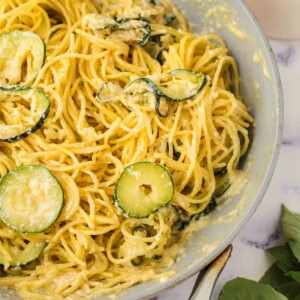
x: 207, y: 279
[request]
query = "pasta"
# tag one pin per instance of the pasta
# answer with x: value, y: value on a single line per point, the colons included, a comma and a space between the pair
x: 87, y: 144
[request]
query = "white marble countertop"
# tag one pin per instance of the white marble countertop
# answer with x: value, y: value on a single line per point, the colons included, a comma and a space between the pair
x: 263, y: 231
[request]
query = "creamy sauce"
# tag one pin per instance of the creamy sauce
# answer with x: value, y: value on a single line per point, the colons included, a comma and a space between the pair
x: 259, y: 58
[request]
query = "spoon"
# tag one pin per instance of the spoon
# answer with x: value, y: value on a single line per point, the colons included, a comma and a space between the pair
x: 208, y: 277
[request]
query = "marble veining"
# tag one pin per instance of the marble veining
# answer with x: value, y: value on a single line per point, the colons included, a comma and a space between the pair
x: 285, y: 57
x: 249, y: 258
x: 268, y: 243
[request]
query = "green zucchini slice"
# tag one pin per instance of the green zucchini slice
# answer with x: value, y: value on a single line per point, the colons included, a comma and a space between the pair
x: 99, y: 22
x: 110, y: 93
x: 175, y: 86
x: 222, y: 184
x: 170, y: 214
x: 162, y: 107
x: 137, y: 261
x: 20, y: 257
x: 141, y: 91
x: 22, y: 112
x: 31, y: 199
x: 180, y: 85
x: 143, y: 188
x: 126, y: 30
x: 22, y: 55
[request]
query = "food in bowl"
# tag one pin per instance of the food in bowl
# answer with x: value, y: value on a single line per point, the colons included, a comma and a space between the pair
x: 119, y: 127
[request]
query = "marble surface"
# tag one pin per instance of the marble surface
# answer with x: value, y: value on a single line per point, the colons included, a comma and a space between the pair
x: 249, y: 258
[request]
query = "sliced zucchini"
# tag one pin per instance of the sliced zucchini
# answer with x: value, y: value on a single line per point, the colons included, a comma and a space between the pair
x: 141, y: 91
x: 22, y: 55
x: 15, y: 126
x: 222, y: 184
x: 157, y: 257
x: 31, y: 199
x: 180, y: 85
x: 143, y: 188
x: 99, y: 22
x: 209, y: 208
x: 162, y: 107
x: 137, y: 261
x: 176, y: 154
x: 110, y: 93
x: 20, y: 257
x: 170, y: 214
x: 138, y: 30
x: 156, y: 91
x: 175, y: 86
x: 169, y: 19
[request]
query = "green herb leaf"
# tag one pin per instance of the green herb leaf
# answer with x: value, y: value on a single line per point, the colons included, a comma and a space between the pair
x: 284, y: 258
x: 283, y: 284
x: 297, y: 298
x: 244, y: 289
x: 290, y: 224
x: 295, y: 247
x: 274, y: 277
x: 295, y: 276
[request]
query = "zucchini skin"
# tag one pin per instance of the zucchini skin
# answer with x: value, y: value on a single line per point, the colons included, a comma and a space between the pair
x: 58, y: 213
x: 160, y: 94
x: 145, y: 29
x: 160, y: 99
x: 158, y: 109
x: 37, y: 253
x: 137, y: 261
x: 40, y: 122
x: 204, y: 82
x: 35, y: 35
x: 119, y: 205
x: 140, y: 24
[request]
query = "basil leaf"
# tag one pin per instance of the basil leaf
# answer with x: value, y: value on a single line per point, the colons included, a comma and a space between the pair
x: 290, y: 224
x: 244, y: 289
x: 297, y: 298
x: 284, y: 258
x: 295, y: 276
x: 274, y: 277
x: 283, y: 284
x: 295, y: 247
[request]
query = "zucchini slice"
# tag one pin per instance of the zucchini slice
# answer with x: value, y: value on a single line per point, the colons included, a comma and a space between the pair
x: 31, y: 199
x: 22, y: 55
x: 222, y: 184
x: 180, y: 85
x: 127, y: 29
x: 176, y: 86
x: 162, y: 107
x: 141, y: 91
x: 110, y: 93
x: 20, y: 257
x: 137, y: 261
x: 143, y: 188
x: 23, y: 111
x: 170, y: 214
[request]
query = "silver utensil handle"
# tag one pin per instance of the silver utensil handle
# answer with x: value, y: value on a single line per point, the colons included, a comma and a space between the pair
x: 207, y: 279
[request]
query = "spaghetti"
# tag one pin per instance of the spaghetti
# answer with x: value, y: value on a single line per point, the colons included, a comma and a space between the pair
x: 87, y: 144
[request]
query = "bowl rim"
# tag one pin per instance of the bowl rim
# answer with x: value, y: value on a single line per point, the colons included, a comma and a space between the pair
x: 278, y: 91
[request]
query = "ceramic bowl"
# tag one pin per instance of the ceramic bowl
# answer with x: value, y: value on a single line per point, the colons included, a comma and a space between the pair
x: 262, y: 92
